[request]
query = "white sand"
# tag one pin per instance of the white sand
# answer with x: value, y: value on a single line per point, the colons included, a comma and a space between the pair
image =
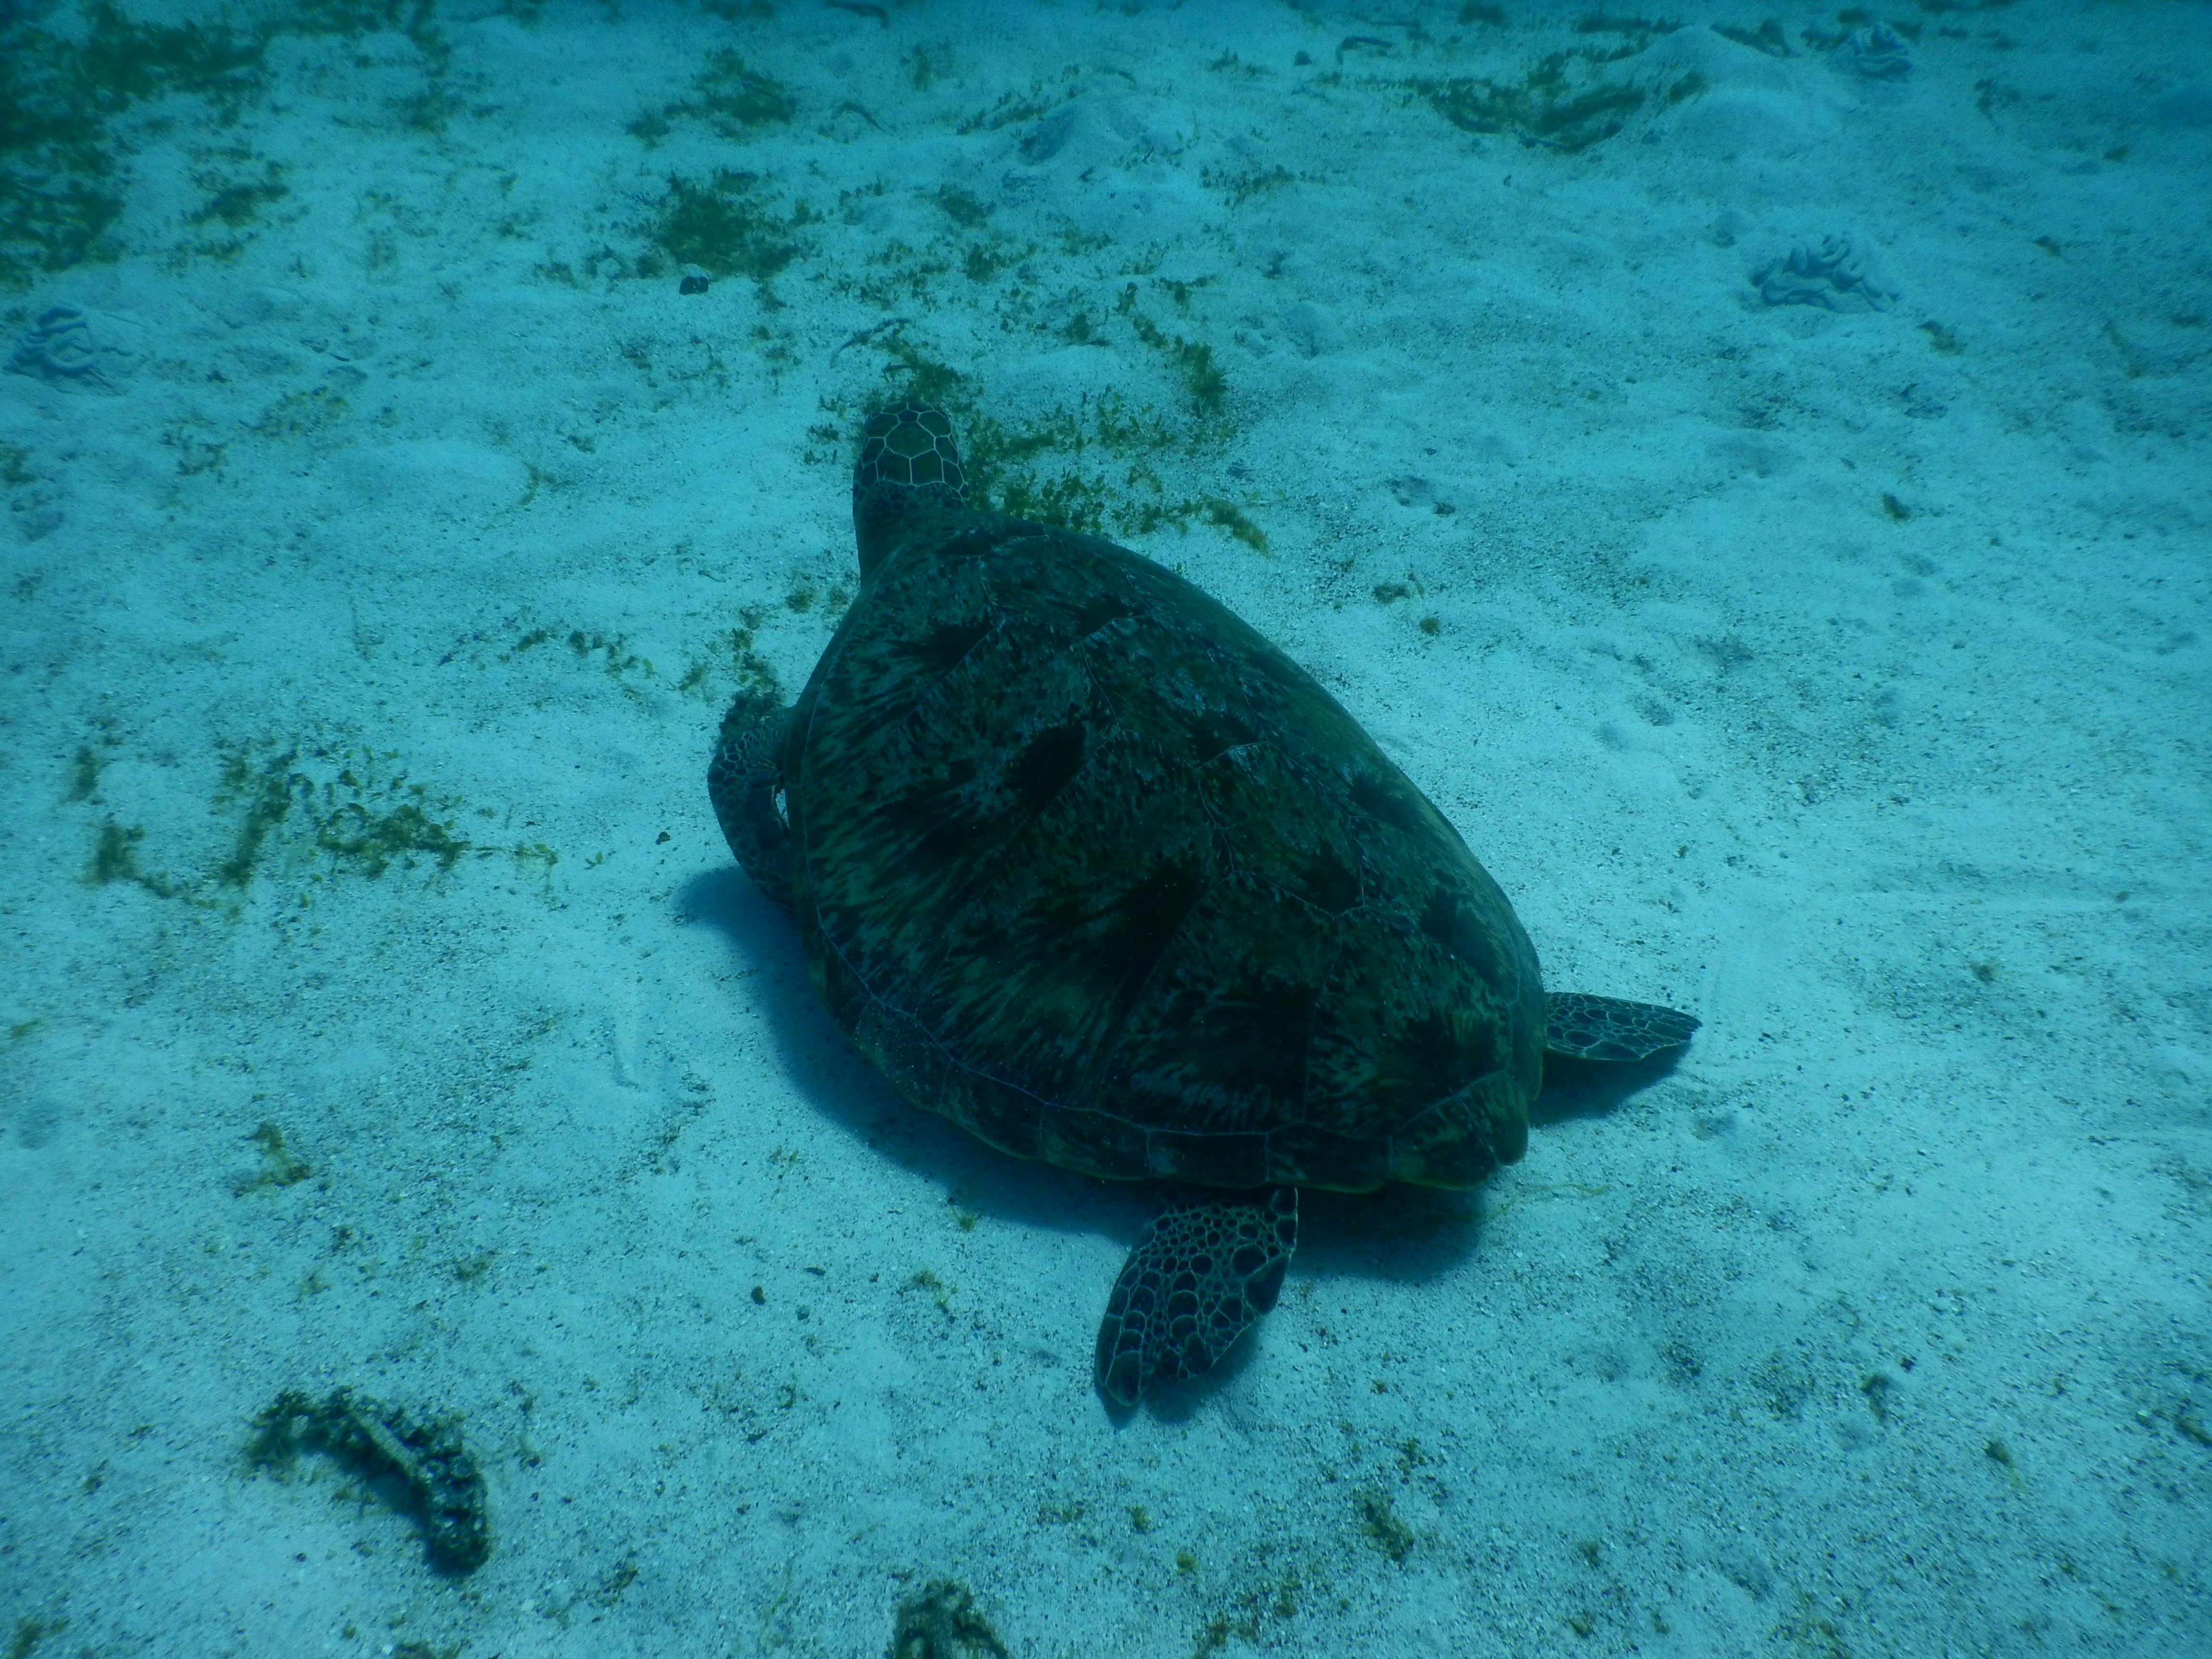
x: 1879, y: 1328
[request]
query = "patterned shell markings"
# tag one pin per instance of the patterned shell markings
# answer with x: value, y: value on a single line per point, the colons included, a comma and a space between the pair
x: 1086, y: 865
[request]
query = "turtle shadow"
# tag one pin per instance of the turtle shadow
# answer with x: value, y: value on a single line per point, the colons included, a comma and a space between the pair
x: 1399, y: 1235
x: 834, y: 1078
x: 1593, y: 1088
x: 1403, y: 1235
x: 1407, y: 1234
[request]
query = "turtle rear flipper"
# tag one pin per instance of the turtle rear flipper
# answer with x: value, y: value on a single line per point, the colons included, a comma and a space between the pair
x: 1585, y: 1027
x: 1206, y: 1265
x: 742, y: 780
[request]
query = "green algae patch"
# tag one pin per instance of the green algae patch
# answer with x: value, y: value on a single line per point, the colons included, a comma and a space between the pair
x: 963, y: 209
x: 1193, y: 362
x: 369, y: 843
x: 358, y: 819
x: 281, y: 1166
x: 587, y: 649
x: 73, y: 106
x: 311, y: 416
x: 65, y: 175
x: 732, y: 660
x: 226, y: 219
x: 1380, y: 1525
x: 30, y: 1632
x: 1541, y: 108
x: 115, y: 858
x: 1241, y: 187
x: 1088, y: 468
x: 1040, y: 97
x: 727, y: 97
x: 726, y: 226
x: 1566, y: 100
x: 237, y: 203
x: 353, y: 20
x: 1096, y: 467
x: 1766, y: 38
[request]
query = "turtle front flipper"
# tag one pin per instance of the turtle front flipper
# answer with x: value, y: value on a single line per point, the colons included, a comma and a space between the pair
x: 1607, y: 1028
x: 742, y: 780
x: 1206, y: 1265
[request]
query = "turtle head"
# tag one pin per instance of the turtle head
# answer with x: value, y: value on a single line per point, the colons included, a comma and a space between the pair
x: 908, y: 467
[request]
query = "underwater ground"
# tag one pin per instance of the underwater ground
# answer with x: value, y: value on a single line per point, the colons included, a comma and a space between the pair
x: 1749, y: 467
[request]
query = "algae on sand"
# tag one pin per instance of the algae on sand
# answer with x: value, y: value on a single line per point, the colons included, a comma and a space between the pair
x: 63, y: 168
x: 1096, y: 467
x: 1565, y: 100
x: 724, y: 225
x: 728, y: 97
x: 363, y: 820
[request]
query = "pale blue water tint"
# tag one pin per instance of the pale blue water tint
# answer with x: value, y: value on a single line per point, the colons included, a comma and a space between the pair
x: 1746, y: 468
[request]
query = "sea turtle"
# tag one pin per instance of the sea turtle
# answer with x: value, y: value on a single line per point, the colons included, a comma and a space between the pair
x: 1087, y: 866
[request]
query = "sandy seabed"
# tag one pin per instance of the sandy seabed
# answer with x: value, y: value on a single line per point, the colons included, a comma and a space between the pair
x: 1750, y: 470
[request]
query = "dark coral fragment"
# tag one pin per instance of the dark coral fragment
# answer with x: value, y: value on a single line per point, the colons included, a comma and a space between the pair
x: 421, y: 1469
x: 941, y: 1622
